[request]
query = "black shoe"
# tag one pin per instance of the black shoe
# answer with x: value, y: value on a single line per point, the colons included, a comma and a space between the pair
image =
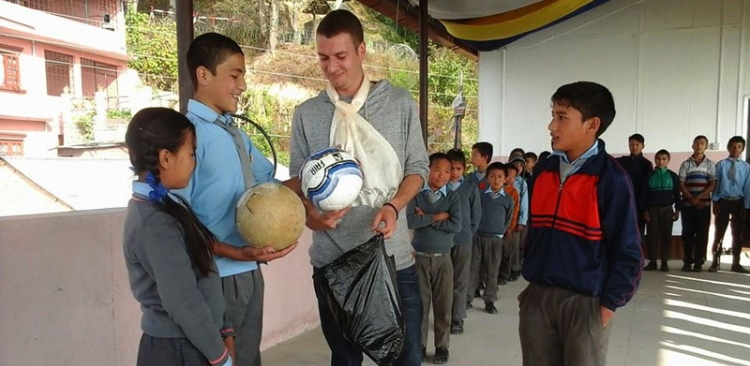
x: 502, y: 282
x: 739, y: 269
x: 714, y: 268
x: 457, y: 327
x: 697, y: 268
x: 469, y: 305
x: 513, y: 276
x: 441, y: 355
x: 664, y: 267
x: 477, y: 294
x: 650, y: 267
x: 490, y: 308
x: 424, y: 353
x: 686, y: 268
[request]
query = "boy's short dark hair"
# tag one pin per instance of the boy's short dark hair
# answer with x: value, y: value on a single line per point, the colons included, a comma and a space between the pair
x: 544, y: 155
x: 341, y: 21
x: 456, y: 155
x: 637, y: 137
x: 736, y: 139
x: 589, y: 98
x: 498, y: 166
x: 484, y: 149
x: 701, y: 137
x: 209, y: 50
x: 439, y: 156
x: 530, y: 155
x: 517, y: 151
x: 663, y: 152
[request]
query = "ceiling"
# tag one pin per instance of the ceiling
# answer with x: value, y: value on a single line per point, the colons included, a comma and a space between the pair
x: 470, y: 26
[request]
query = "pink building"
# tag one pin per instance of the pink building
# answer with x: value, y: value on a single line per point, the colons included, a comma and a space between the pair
x: 47, y: 48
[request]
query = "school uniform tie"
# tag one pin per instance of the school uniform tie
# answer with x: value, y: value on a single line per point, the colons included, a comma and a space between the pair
x: 246, y: 160
x: 434, y: 196
x: 731, y: 174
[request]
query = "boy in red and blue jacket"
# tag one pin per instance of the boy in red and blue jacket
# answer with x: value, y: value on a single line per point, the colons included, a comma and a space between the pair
x: 583, y: 254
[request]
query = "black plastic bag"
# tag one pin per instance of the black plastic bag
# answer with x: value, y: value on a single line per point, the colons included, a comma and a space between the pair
x: 360, y: 289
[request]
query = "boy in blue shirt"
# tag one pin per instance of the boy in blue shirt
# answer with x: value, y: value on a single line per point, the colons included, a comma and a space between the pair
x: 227, y: 165
x: 481, y: 155
x: 471, y: 212
x: 497, y: 212
x: 522, y: 186
x: 435, y: 216
x: 731, y: 198
x: 583, y: 255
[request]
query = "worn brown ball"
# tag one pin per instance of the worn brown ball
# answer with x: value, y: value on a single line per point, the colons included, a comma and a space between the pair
x: 270, y: 214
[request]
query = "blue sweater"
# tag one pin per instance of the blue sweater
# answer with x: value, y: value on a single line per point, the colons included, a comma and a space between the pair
x: 471, y: 212
x: 429, y: 236
x: 497, y: 213
x: 175, y: 300
x: 480, y: 183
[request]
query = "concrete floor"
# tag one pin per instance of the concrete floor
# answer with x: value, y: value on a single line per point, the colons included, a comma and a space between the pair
x: 676, y: 318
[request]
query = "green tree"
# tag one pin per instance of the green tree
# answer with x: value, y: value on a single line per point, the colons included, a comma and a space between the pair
x: 152, y: 43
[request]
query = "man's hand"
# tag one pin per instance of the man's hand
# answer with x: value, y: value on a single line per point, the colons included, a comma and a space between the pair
x: 646, y: 217
x: 266, y: 254
x: 418, y: 211
x: 385, y: 221
x: 606, y: 315
x: 519, y: 228
x: 441, y: 216
x: 317, y: 220
x: 716, y: 209
x: 699, y: 204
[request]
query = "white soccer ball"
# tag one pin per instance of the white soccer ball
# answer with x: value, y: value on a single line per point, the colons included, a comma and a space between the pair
x: 331, y: 179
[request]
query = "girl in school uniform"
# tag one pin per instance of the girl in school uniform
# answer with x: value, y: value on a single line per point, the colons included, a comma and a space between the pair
x: 167, y: 250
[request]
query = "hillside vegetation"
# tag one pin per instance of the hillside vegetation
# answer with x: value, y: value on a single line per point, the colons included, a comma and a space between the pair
x: 282, y: 69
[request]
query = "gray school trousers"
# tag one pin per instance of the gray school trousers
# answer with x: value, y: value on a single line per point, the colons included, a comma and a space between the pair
x: 560, y: 327
x: 243, y: 294
x: 461, y: 256
x: 485, y: 261
x: 510, y: 254
x: 436, y: 289
x: 518, y: 262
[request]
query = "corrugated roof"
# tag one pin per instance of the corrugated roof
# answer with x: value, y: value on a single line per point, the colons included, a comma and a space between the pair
x: 21, y: 196
x: 81, y: 183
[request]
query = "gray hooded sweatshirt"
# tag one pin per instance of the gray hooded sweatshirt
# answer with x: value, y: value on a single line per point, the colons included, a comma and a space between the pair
x: 391, y: 111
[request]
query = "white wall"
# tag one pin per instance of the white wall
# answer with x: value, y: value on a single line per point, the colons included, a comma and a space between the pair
x: 675, y: 68
x: 65, y: 297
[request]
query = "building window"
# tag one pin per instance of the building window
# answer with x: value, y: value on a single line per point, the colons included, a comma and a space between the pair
x: 11, y: 147
x: 97, y: 76
x: 10, y: 71
x: 59, y: 68
x: 90, y: 12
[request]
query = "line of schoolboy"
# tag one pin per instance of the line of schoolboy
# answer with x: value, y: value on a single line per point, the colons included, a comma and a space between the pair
x: 467, y: 230
x: 700, y: 188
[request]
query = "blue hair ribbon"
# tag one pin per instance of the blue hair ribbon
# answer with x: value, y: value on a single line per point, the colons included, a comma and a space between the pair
x: 158, y: 191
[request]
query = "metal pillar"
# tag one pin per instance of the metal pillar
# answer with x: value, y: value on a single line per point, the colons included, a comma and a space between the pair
x: 184, y: 19
x: 423, y: 67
